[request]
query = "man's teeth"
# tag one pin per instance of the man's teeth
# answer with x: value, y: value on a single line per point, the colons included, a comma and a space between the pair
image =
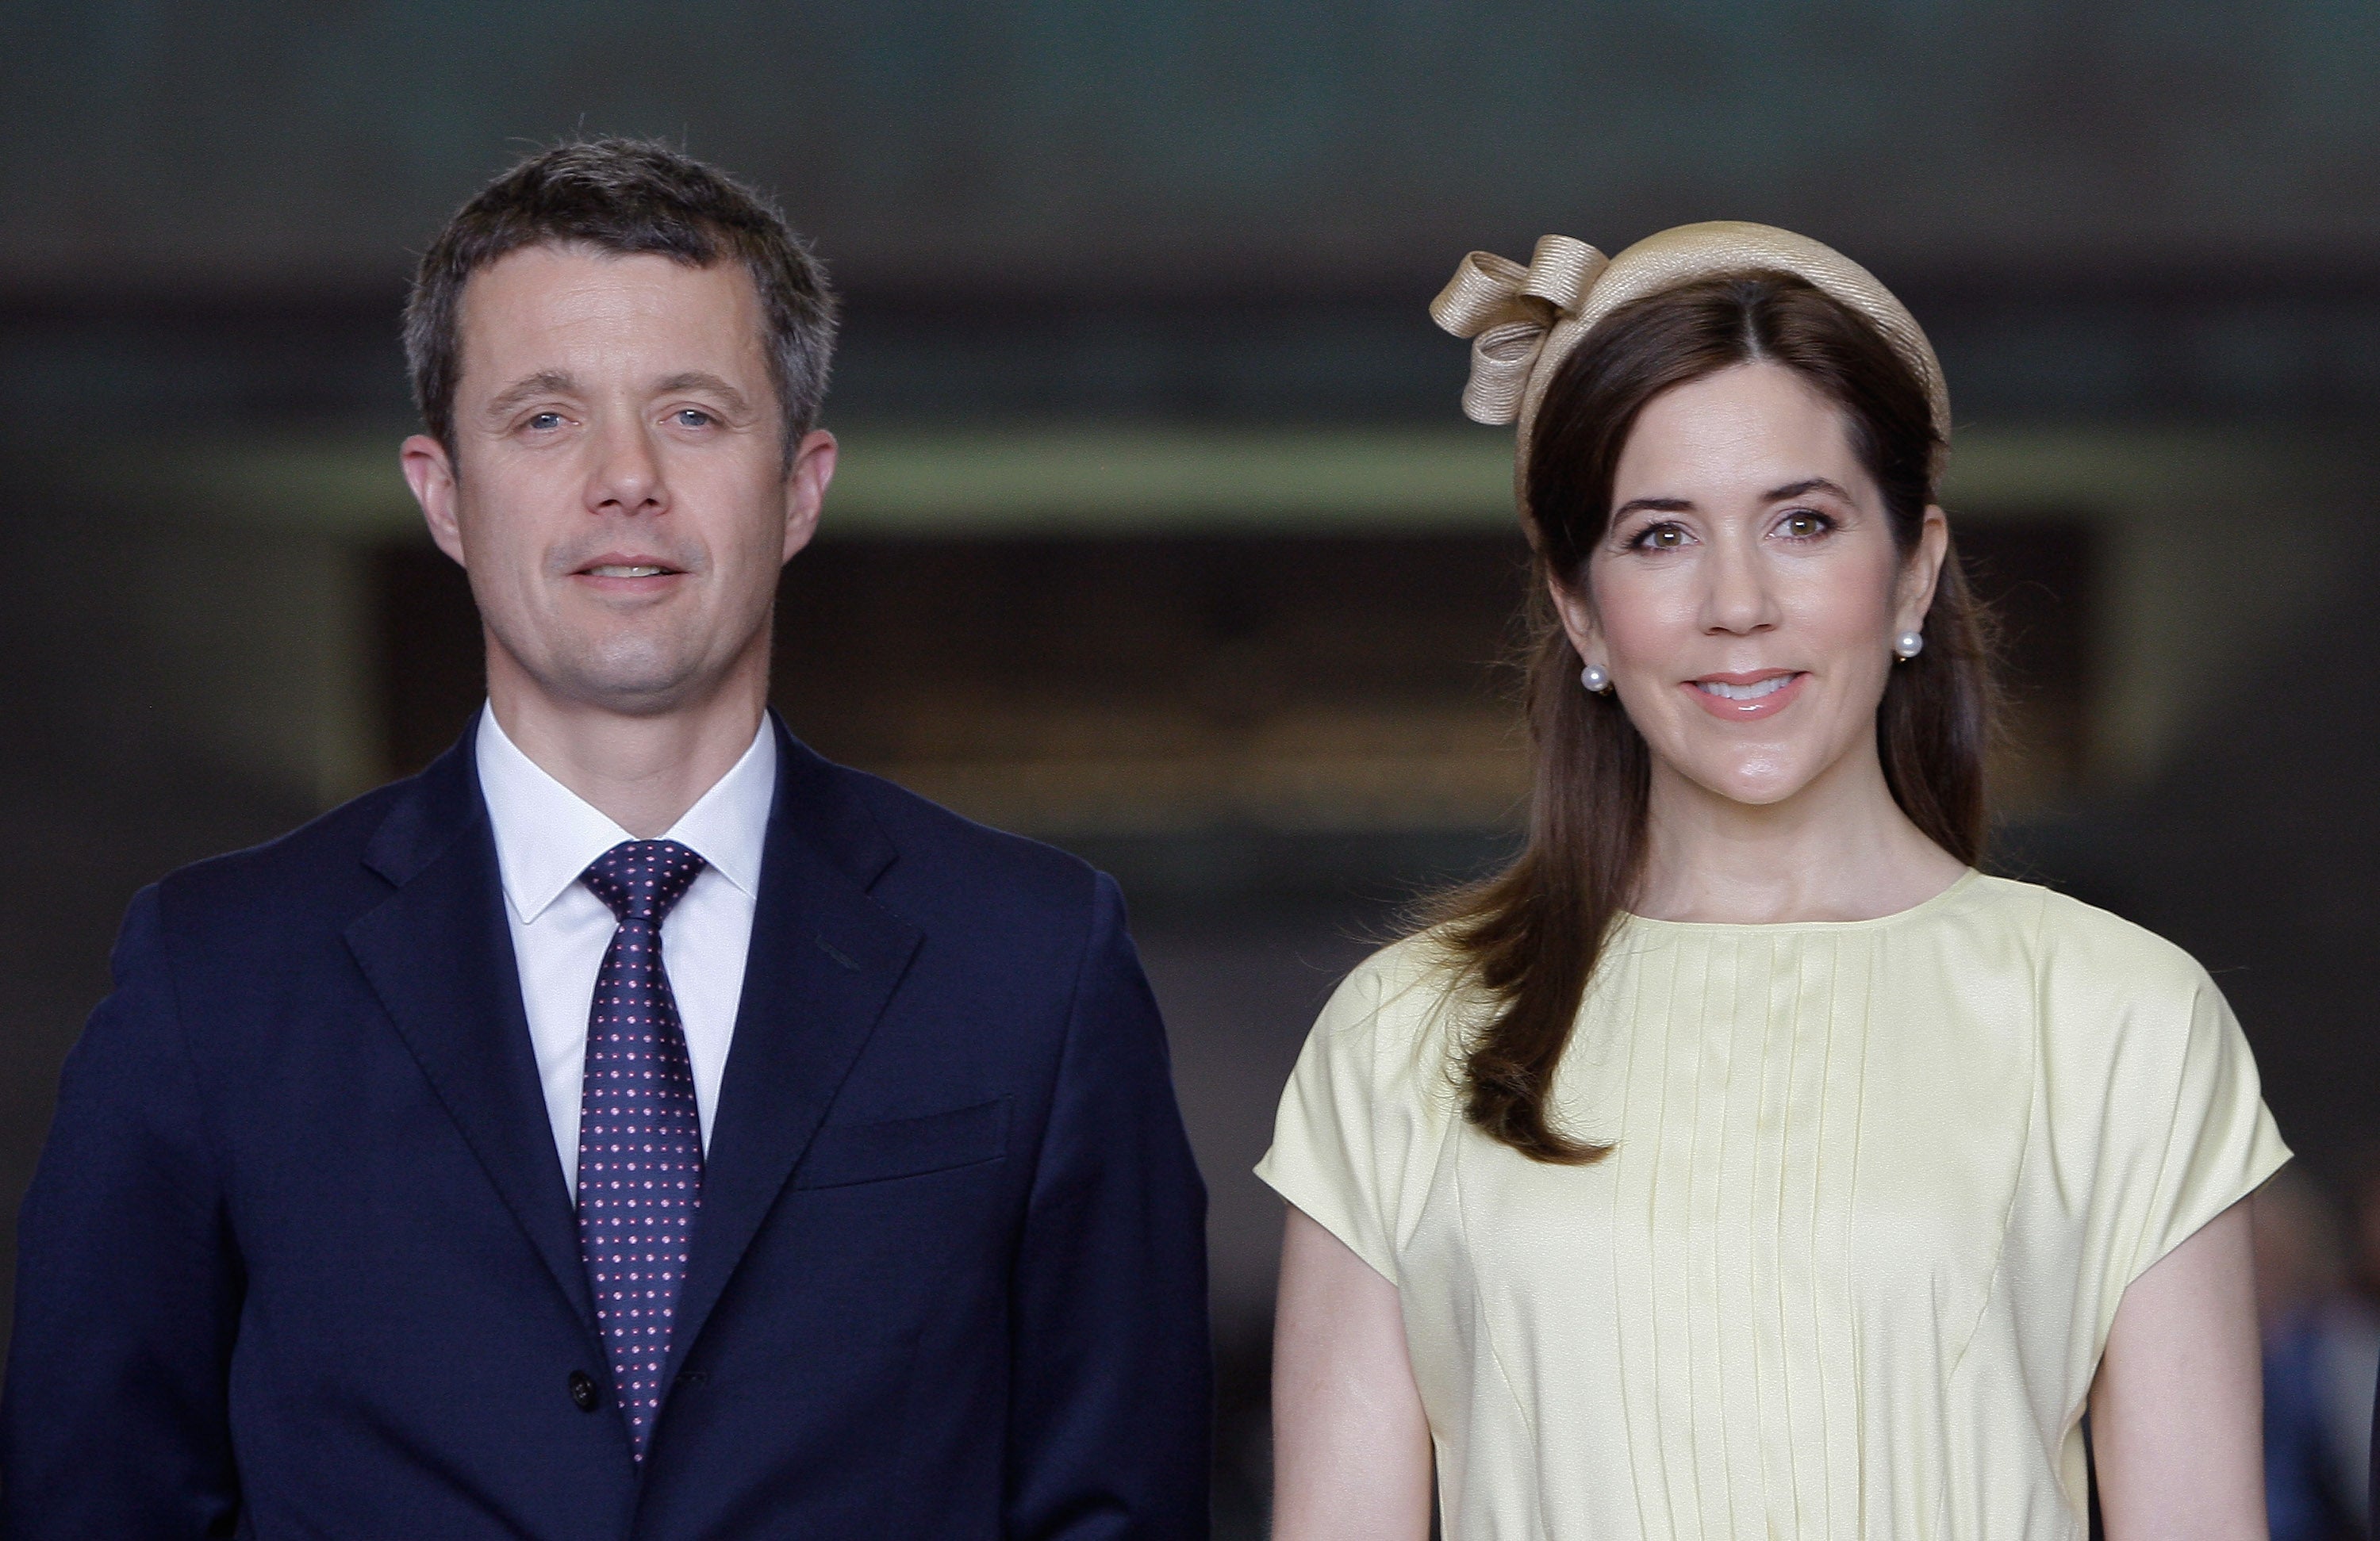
x: 1725, y: 691
x: 625, y: 572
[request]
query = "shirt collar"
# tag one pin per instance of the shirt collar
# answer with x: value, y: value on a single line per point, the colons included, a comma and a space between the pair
x: 547, y: 835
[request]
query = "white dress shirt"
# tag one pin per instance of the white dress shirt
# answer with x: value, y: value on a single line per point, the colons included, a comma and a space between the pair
x: 546, y: 836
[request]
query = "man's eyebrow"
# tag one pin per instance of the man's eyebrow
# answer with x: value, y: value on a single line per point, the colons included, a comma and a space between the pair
x: 1811, y: 484
x: 702, y: 379
x: 544, y: 383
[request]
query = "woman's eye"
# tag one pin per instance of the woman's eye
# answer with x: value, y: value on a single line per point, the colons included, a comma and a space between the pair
x: 1662, y: 538
x: 1805, y: 526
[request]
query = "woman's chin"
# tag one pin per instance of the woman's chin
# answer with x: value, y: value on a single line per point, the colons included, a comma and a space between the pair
x: 1766, y: 784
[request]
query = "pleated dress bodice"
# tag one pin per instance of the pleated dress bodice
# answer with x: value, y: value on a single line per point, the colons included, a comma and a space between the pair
x: 1874, y: 1191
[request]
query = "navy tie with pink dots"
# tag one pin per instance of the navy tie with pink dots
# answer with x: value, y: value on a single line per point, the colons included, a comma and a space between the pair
x: 639, y: 1136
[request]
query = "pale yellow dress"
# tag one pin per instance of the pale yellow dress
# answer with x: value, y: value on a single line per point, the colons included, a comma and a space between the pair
x: 1877, y: 1187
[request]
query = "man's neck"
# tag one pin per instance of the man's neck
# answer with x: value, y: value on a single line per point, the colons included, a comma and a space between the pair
x: 642, y: 773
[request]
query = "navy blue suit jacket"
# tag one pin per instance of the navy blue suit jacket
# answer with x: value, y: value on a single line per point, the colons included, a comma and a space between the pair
x: 299, y: 1260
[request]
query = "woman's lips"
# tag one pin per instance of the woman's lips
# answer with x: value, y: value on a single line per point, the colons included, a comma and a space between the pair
x: 1743, y: 698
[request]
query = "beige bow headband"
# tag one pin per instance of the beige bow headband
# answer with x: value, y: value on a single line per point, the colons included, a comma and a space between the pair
x: 1524, y: 321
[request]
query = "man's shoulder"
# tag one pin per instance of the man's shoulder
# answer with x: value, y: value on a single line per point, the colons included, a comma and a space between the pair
x: 947, y: 853
x: 304, y: 872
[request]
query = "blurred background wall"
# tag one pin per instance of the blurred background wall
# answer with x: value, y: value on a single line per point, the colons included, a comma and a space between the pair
x: 1159, y: 533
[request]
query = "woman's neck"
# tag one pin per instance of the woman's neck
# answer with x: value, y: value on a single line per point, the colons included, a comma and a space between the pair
x: 1839, y: 849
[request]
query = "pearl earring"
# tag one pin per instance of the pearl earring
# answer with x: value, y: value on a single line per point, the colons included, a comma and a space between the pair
x: 1594, y: 679
x: 1908, y: 645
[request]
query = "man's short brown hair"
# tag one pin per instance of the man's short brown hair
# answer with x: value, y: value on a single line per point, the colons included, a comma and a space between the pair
x: 624, y: 197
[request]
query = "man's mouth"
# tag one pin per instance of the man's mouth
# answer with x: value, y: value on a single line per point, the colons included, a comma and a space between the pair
x: 628, y: 566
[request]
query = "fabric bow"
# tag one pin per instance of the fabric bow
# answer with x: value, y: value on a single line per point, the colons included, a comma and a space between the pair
x: 1508, y: 310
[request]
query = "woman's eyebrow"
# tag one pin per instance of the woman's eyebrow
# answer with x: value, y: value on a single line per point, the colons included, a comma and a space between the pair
x: 1654, y: 505
x: 1811, y: 484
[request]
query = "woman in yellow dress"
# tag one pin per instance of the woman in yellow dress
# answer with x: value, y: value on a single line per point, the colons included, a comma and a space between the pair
x: 1741, y: 1161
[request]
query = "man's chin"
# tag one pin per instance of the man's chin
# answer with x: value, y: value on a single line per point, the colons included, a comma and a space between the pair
x: 633, y: 674
x: 641, y: 696
x: 635, y: 684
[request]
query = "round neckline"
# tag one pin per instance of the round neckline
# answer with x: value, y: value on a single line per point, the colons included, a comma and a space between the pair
x: 1959, y: 885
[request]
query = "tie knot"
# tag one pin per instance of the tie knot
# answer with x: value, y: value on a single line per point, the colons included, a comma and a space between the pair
x: 642, y: 879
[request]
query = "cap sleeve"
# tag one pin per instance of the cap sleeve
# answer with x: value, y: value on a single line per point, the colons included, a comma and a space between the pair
x: 2204, y: 1120
x: 1352, y: 1120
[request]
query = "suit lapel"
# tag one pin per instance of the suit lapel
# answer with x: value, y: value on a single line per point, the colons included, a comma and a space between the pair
x: 440, y: 956
x: 824, y: 960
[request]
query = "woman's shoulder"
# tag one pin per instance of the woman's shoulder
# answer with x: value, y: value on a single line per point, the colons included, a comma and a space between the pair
x: 1402, y: 1012
x: 1403, y: 987
x: 2063, y: 935
x: 2141, y: 1061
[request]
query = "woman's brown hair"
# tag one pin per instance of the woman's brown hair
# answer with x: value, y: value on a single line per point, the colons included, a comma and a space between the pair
x: 1531, y: 936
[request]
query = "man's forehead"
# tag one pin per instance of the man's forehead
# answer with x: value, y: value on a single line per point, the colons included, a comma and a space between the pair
x: 538, y: 299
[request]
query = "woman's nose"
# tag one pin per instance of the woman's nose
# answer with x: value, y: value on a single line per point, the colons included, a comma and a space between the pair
x: 1738, y: 599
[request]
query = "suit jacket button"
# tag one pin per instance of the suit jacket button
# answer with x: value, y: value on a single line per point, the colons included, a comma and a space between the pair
x: 582, y: 1391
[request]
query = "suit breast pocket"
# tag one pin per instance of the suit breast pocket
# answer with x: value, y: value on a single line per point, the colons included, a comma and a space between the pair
x: 845, y: 1154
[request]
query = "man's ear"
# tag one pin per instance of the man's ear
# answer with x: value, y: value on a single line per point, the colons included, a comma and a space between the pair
x: 431, y: 473
x: 1922, y: 573
x: 806, y: 484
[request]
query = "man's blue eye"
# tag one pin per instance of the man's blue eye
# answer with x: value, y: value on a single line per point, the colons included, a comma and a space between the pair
x: 691, y: 418
x: 544, y: 420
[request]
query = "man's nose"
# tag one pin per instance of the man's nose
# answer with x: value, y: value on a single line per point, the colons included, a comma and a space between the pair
x: 626, y: 475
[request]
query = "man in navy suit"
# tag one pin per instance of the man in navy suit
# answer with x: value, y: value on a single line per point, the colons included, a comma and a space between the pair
x: 632, y: 1125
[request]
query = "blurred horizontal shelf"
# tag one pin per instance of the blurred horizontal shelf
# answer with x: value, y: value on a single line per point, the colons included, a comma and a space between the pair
x: 1056, y: 478
x: 1065, y: 479
x: 897, y: 480
x: 1059, y: 799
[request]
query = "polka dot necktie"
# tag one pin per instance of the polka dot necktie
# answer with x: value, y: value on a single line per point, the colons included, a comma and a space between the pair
x: 639, y: 1136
